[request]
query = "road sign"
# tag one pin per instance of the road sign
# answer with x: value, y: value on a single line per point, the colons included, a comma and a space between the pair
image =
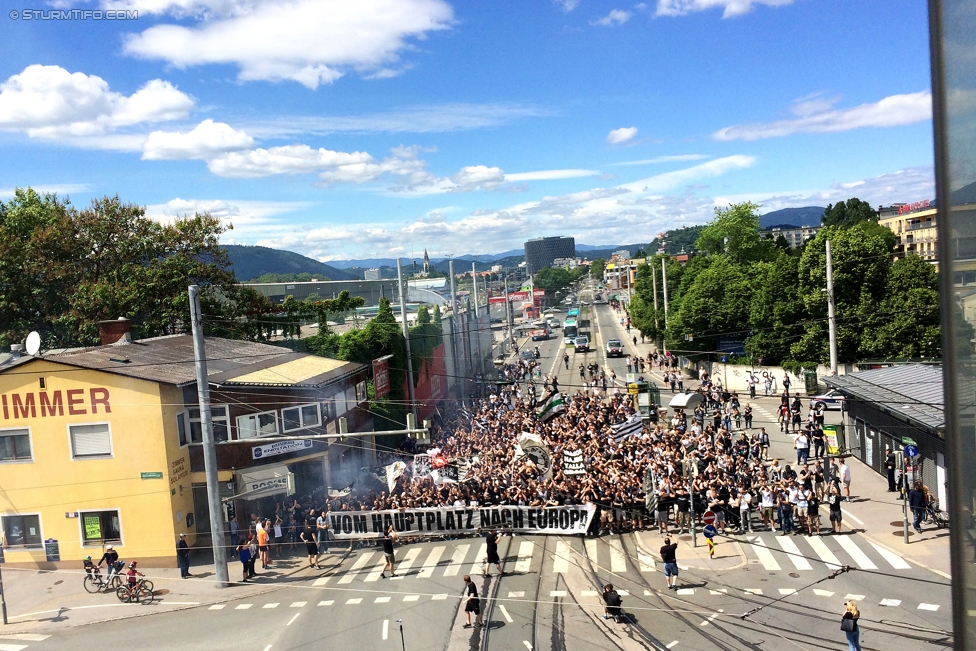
x: 708, y: 517
x: 710, y: 531
x: 724, y: 359
x: 911, y: 451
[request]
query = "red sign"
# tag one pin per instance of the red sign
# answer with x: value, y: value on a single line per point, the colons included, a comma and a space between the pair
x: 708, y: 517
x: 912, y: 207
x: 53, y: 404
x: 381, y: 376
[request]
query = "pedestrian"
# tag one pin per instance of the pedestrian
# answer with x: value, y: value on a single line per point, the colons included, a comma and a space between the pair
x: 262, y: 535
x: 322, y: 532
x: 848, y: 624
x: 833, y: 500
x: 183, y: 556
x: 472, y: 604
x: 752, y: 386
x: 916, y: 502
x: 311, y: 546
x: 669, y: 558
x: 235, y: 531
x: 889, y: 465
x: 786, y: 383
x: 612, y: 601
x: 819, y: 441
x: 566, y: 360
x: 252, y: 546
x: 747, y: 413
x: 492, y: 538
x: 388, y: 539
x: 844, y: 474
x: 244, y: 554
x: 802, y: 444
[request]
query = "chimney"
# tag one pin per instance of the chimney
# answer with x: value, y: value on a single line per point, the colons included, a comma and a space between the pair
x: 15, y: 350
x: 115, y: 332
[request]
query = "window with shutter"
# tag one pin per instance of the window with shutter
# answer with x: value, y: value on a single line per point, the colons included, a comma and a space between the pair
x: 93, y: 440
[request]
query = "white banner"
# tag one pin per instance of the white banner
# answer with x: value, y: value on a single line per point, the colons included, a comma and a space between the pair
x: 573, y: 463
x: 554, y: 520
x: 393, y: 472
x: 281, y: 447
x: 533, y: 447
x: 421, y: 466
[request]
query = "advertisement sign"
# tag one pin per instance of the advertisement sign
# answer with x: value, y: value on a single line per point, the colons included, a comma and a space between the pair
x: 381, y: 376
x: 830, y: 433
x: 555, y: 520
x: 282, y: 447
x: 93, y: 527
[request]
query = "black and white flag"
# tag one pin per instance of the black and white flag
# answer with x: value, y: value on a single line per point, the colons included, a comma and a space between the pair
x: 573, y: 462
x: 630, y: 427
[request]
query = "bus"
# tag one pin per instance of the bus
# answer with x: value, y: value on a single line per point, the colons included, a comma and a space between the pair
x: 569, y: 328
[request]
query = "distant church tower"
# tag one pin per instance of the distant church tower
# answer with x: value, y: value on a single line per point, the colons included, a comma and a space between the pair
x: 426, y: 263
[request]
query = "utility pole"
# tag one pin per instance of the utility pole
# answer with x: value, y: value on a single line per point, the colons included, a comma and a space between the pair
x: 209, y: 451
x: 664, y: 281
x: 455, y: 323
x: 406, y: 338
x: 831, y: 317
x: 508, y: 311
x: 477, y: 319
x: 654, y: 289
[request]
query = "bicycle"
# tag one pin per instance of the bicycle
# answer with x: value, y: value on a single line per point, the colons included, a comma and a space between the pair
x: 140, y: 592
x: 95, y: 582
x: 935, y: 515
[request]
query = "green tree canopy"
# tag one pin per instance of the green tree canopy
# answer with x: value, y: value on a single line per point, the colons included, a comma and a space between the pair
x: 848, y: 213
x: 597, y: 267
x: 735, y: 232
x: 714, y: 303
x: 907, y: 323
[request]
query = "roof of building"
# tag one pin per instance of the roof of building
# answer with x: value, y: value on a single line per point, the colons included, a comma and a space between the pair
x: 230, y: 362
x: 911, y: 392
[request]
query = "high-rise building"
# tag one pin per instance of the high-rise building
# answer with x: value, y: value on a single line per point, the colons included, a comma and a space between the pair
x: 542, y: 251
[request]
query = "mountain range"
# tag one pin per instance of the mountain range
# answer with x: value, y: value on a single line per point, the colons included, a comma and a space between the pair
x: 806, y: 216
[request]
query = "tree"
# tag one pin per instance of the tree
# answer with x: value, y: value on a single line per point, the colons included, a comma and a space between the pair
x: 848, y: 213
x: 907, y: 325
x: 735, y: 232
x: 714, y: 304
x: 597, y: 267
x: 775, y: 311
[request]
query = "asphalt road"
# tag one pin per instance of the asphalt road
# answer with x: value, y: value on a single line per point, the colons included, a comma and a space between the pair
x: 549, y: 597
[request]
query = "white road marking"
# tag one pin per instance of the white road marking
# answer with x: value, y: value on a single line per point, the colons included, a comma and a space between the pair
x: 327, y: 603
x: 374, y: 574
x: 786, y: 591
x: 381, y: 600
x: 623, y: 593
x: 29, y: 637
x: 827, y: 556
x: 646, y: 562
x: 439, y: 597
x: 243, y: 606
x: 686, y: 591
x: 757, y: 591
x: 411, y: 597
x: 893, y: 559
x: 517, y: 594
x: 712, y: 617
x: 526, y: 549
x: 12, y: 647
x: 720, y: 591
x: 386, y: 628
x: 354, y: 601
x: 890, y: 602
x: 557, y: 593
x: 588, y: 593
x: 822, y: 593
x: 478, y: 567
x: 932, y: 607
x: 217, y: 607
x: 293, y: 618
x: 671, y: 645
x: 457, y: 560
x: 794, y: 553
x: 854, y: 597
x: 618, y: 561
x: 508, y: 618
x: 267, y: 648
x: 321, y: 581
x: 855, y: 552
x: 404, y: 566
x: 848, y: 514
x: 560, y: 562
x: 527, y: 645
x: 648, y: 593
x: 354, y: 570
x: 591, y: 551
x: 298, y: 604
x: 271, y: 605
x: 427, y: 569
x: 765, y: 556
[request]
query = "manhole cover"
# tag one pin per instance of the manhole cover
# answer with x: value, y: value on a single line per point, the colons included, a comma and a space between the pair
x: 160, y: 592
x: 794, y: 575
x: 897, y: 523
x: 902, y: 533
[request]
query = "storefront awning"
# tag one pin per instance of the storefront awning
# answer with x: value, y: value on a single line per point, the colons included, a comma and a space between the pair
x: 264, y: 481
x: 686, y: 401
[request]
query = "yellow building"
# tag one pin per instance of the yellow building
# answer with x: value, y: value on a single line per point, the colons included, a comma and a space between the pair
x: 101, y: 445
x: 914, y: 226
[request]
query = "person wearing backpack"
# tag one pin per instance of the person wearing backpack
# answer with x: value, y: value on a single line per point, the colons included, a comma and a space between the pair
x: 848, y: 624
x: 613, y: 601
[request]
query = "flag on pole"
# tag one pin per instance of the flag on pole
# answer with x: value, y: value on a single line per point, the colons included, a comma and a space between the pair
x: 552, y: 406
x: 630, y: 427
x: 393, y: 472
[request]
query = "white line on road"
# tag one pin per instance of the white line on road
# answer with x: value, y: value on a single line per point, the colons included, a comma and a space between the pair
x: 321, y: 581
x: 411, y: 597
x: 618, y: 562
x: 386, y: 628
x: 557, y: 593
x: 271, y: 605
x: 591, y: 552
x: 827, y: 556
x: 353, y: 602
x: 508, y: 618
x: 517, y: 594
x: 292, y: 620
x: 30, y: 637
x: 671, y: 645
x: 854, y: 597
x: 890, y: 602
x: 794, y: 553
x: 822, y: 593
x: 298, y: 604
x: 427, y: 569
x: 527, y: 645
x: 684, y: 591
x: 354, y: 570
x: 382, y: 600
x: 407, y: 563
x: 560, y: 563
x: 932, y: 607
x: 217, y: 607
x: 327, y: 603
x: 243, y: 606
x: 479, y: 565
x: 267, y: 648
x: 526, y: 548
x: 12, y: 647
x: 374, y: 574
x: 765, y: 556
x: 848, y: 514
x: 855, y: 552
x: 457, y: 560
x: 893, y: 559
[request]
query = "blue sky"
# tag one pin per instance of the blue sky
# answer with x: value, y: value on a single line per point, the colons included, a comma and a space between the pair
x: 343, y: 129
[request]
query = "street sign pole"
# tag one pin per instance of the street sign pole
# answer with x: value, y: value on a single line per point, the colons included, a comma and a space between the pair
x: 904, y: 494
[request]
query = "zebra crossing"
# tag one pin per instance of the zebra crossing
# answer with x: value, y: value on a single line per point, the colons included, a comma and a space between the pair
x: 15, y: 641
x: 805, y: 553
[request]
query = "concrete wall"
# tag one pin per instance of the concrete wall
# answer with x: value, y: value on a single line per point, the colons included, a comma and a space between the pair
x: 735, y: 376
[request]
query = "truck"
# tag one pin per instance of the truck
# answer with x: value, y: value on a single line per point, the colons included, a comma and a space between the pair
x: 542, y: 334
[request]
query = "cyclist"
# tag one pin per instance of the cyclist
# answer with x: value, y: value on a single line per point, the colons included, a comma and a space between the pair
x: 90, y: 568
x: 111, y: 558
x: 131, y: 577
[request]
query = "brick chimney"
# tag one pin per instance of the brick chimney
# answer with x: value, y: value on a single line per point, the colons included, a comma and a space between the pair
x: 115, y: 332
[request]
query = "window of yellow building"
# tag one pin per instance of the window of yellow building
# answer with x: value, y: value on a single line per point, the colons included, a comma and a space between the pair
x: 15, y: 445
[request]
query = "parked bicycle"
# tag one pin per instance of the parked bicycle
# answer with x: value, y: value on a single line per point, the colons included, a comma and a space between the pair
x: 935, y: 515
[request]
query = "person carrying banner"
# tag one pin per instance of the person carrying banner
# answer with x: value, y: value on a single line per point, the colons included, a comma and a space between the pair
x: 388, y: 539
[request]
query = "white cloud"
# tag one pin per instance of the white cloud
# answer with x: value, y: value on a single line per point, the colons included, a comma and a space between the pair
x: 820, y: 117
x: 731, y: 7
x: 312, y: 42
x: 206, y: 140
x: 477, y: 177
x: 678, y: 178
x: 60, y: 189
x: 621, y: 135
x: 567, y: 5
x: 615, y: 17
x: 50, y: 102
x: 677, y: 158
x: 249, y: 219
x: 549, y: 175
x: 287, y: 159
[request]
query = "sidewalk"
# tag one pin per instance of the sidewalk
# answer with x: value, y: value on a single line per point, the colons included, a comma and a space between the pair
x: 53, y: 599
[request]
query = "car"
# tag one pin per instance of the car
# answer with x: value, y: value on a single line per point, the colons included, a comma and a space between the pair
x: 833, y: 399
x: 497, y: 320
x: 554, y: 323
x: 581, y: 344
x: 527, y: 354
x: 615, y: 348
x: 569, y: 341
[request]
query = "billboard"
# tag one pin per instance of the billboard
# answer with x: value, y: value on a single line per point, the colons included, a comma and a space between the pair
x: 381, y: 376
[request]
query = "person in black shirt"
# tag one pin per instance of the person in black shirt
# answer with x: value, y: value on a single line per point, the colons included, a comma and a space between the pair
x: 311, y: 545
x: 669, y: 558
x: 111, y: 559
x: 472, y: 604
x: 388, y: 539
x: 492, y: 538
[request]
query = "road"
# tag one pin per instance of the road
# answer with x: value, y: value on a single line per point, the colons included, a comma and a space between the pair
x: 549, y: 597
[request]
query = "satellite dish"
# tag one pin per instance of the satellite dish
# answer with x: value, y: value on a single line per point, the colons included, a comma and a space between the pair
x: 33, y: 343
